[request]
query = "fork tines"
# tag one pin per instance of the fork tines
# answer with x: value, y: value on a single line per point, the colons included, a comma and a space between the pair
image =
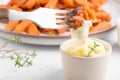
x: 62, y: 18
x: 63, y: 11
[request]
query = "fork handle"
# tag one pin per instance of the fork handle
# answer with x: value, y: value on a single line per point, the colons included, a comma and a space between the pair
x: 4, y: 15
x: 12, y: 15
x: 17, y: 15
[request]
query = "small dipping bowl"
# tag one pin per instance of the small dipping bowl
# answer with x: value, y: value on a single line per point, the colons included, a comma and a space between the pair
x: 85, y: 68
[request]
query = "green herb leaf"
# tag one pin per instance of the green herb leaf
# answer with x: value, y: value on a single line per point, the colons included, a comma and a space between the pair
x: 17, y: 39
x: 92, y: 48
x: 20, y: 58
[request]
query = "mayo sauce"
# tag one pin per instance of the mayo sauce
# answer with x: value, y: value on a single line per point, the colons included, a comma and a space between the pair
x: 82, y: 45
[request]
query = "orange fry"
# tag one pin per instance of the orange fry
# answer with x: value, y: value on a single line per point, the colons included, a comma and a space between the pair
x: 29, y: 4
x: 3, y: 6
x: 97, y: 1
x: 22, y: 26
x: 21, y: 2
x: 91, y: 14
x: 18, y: 3
x: 69, y: 3
x: 100, y: 26
x: 11, y: 25
x: 80, y: 2
x: 13, y: 2
x: 32, y: 30
x: 86, y: 15
x: 94, y: 6
x: 51, y: 4
x: 42, y: 1
x: 15, y: 7
x: 103, y: 16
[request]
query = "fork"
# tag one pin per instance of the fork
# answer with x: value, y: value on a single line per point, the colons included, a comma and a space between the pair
x: 43, y: 17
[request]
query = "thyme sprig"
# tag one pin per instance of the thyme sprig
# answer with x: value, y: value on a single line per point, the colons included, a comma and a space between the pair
x: 15, y: 39
x: 21, y: 59
x: 24, y: 59
x: 92, y: 49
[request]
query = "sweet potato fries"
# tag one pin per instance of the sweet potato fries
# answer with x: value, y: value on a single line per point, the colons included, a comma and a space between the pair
x: 90, y: 10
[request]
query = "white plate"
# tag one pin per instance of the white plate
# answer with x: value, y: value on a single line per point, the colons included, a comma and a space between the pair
x: 111, y: 6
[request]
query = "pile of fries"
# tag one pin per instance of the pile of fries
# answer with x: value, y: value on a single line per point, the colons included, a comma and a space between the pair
x: 101, y: 19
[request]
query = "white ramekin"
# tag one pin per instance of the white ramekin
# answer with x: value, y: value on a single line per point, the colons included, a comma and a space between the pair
x: 91, y: 68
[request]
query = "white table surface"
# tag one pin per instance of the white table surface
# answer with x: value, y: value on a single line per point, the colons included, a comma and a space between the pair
x: 47, y: 65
